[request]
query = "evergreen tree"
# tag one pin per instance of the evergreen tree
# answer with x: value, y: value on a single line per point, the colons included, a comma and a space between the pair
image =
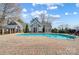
x: 26, y: 28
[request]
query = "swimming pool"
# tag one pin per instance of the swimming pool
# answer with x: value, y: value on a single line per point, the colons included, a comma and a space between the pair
x: 56, y: 36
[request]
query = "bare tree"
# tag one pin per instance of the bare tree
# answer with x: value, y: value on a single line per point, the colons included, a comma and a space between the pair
x: 49, y: 18
x: 42, y: 17
x: 8, y: 10
x: 64, y: 26
x: 76, y: 28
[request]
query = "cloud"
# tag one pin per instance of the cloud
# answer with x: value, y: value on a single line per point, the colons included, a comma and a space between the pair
x: 66, y: 13
x: 32, y: 9
x: 24, y: 15
x: 50, y: 5
x: 33, y: 4
x: 24, y: 10
x: 59, y: 22
x: 37, y: 13
x: 47, y: 17
x: 77, y: 4
x: 54, y: 16
x: 75, y: 13
x: 54, y: 5
x: 60, y: 4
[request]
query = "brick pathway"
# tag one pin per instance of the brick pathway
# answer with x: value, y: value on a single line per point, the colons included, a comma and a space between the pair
x: 14, y: 45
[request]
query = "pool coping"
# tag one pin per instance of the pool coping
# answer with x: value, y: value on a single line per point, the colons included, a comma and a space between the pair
x: 53, y: 33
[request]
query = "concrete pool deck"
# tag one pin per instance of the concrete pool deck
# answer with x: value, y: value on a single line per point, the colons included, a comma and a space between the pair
x: 15, y: 45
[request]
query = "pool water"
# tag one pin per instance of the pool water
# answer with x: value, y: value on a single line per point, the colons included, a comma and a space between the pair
x: 56, y: 36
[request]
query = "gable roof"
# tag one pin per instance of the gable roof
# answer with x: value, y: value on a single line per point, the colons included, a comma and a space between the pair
x: 13, y: 24
x: 19, y: 24
x: 35, y: 19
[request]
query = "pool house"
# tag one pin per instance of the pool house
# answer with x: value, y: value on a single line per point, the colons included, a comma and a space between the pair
x: 40, y: 26
x: 9, y: 27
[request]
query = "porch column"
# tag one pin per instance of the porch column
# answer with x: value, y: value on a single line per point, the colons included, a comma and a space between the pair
x: 10, y: 31
x: 2, y: 31
x: 14, y: 30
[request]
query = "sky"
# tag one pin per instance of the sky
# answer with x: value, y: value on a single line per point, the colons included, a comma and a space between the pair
x: 62, y: 13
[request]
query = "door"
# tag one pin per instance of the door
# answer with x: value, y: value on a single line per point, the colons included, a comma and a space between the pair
x: 43, y: 29
x: 35, y: 30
